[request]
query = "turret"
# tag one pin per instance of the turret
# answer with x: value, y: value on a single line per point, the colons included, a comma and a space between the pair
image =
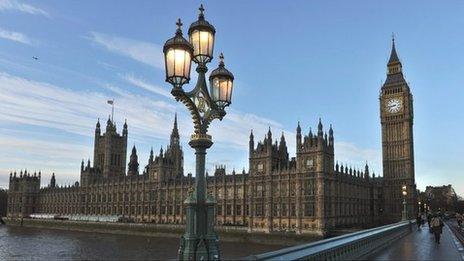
x: 319, y: 129
x: 97, y: 128
x: 124, y: 130
x: 366, y: 171
x: 269, y: 137
x: 133, y: 165
x: 331, y: 137
x: 53, y: 181
x: 298, y: 136
x: 109, y: 124
x: 150, y: 160
x: 251, y: 143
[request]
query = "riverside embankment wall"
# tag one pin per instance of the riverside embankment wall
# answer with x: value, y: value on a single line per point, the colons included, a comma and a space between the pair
x: 229, y: 234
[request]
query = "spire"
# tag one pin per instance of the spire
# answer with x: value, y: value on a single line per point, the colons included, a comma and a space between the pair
x: 150, y: 160
x: 393, y: 55
x: 53, y: 181
x: 298, y: 128
x: 133, y: 165
x: 269, y: 136
x: 98, y: 123
x: 394, y: 64
x: 310, y: 132
x: 331, y: 136
x: 175, y: 121
x: 175, y: 133
x: 319, y: 128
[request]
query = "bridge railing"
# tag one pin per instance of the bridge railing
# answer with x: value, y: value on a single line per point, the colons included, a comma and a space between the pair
x: 346, y: 247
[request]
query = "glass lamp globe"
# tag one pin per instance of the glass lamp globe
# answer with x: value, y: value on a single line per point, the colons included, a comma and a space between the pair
x: 201, y: 35
x: 221, y: 84
x: 178, y: 58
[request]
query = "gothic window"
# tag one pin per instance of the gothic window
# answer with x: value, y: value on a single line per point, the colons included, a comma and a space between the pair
x: 309, y: 163
x: 275, y: 210
x: 259, y: 191
x: 284, y: 189
x: 259, y: 210
x: 309, y: 209
x: 219, y: 210
x: 284, y: 210
x: 228, y: 209
x: 292, y: 188
x: 275, y: 187
x: 292, y: 210
x: 238, y: 210
x: 230, y: 192
x: 260, y: 167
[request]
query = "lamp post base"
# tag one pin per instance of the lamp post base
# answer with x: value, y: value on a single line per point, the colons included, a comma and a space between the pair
x: 195, y: 244
x: 404, y: 214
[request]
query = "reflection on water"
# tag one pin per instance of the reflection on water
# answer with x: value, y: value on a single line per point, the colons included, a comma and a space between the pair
x: 49, y: 244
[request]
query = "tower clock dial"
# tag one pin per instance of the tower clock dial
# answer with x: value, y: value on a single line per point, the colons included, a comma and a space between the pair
x: 394, y: 105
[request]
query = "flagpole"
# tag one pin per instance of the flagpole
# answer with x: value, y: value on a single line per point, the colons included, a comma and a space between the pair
x: 112, y: 111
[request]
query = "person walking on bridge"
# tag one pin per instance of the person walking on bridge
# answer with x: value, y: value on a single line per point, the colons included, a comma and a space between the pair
x: 429, y: 220
x: 437, y: 228
x: 419, y: 221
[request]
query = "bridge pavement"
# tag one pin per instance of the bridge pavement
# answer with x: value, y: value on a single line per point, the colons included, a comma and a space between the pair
x: 420, y: 245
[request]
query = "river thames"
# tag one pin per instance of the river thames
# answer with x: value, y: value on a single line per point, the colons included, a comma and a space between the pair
x: 26, y: 243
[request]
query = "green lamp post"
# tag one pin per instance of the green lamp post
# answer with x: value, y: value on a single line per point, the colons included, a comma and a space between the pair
x: 200, y: 242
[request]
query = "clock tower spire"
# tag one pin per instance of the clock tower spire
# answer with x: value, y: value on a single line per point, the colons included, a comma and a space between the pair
x: 396, y: 115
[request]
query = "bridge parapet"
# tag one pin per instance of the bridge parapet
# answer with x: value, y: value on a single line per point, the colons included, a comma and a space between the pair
x: 346, y: 247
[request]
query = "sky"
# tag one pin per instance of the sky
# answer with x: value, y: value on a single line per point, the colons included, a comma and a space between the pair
x: 293, y: 61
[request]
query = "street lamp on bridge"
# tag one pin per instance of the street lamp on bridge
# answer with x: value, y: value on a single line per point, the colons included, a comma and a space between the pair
x: 405, y: 211
x: 200, y: 241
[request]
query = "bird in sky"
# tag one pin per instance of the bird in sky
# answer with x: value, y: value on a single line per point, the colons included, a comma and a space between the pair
x: 35, y: 58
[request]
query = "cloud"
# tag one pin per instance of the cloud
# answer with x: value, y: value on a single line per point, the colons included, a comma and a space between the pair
x: 21, y: 7
x: 145, y: 85
x: 15, y: 36
x: 349, y: 153
x: 31, y: 103
x: 144, y: 52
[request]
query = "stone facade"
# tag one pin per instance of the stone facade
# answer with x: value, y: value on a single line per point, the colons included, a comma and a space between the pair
x: 308, y: 193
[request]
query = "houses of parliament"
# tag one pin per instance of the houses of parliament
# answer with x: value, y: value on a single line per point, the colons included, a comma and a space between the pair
x: 308, y: 193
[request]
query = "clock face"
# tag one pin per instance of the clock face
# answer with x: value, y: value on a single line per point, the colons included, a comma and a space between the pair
x: 394, y: 105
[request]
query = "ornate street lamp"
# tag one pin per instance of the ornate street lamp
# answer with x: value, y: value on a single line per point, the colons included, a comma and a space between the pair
x: 405, y: 211
x: 200, y: 242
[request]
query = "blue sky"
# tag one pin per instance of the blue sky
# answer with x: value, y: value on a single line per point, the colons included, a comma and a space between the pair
x: 293, y: 61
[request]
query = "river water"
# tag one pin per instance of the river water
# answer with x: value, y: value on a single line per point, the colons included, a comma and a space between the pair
x: 25, y: 243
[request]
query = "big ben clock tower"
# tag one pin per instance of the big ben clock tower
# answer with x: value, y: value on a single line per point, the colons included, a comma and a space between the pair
x: 396, y: 114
